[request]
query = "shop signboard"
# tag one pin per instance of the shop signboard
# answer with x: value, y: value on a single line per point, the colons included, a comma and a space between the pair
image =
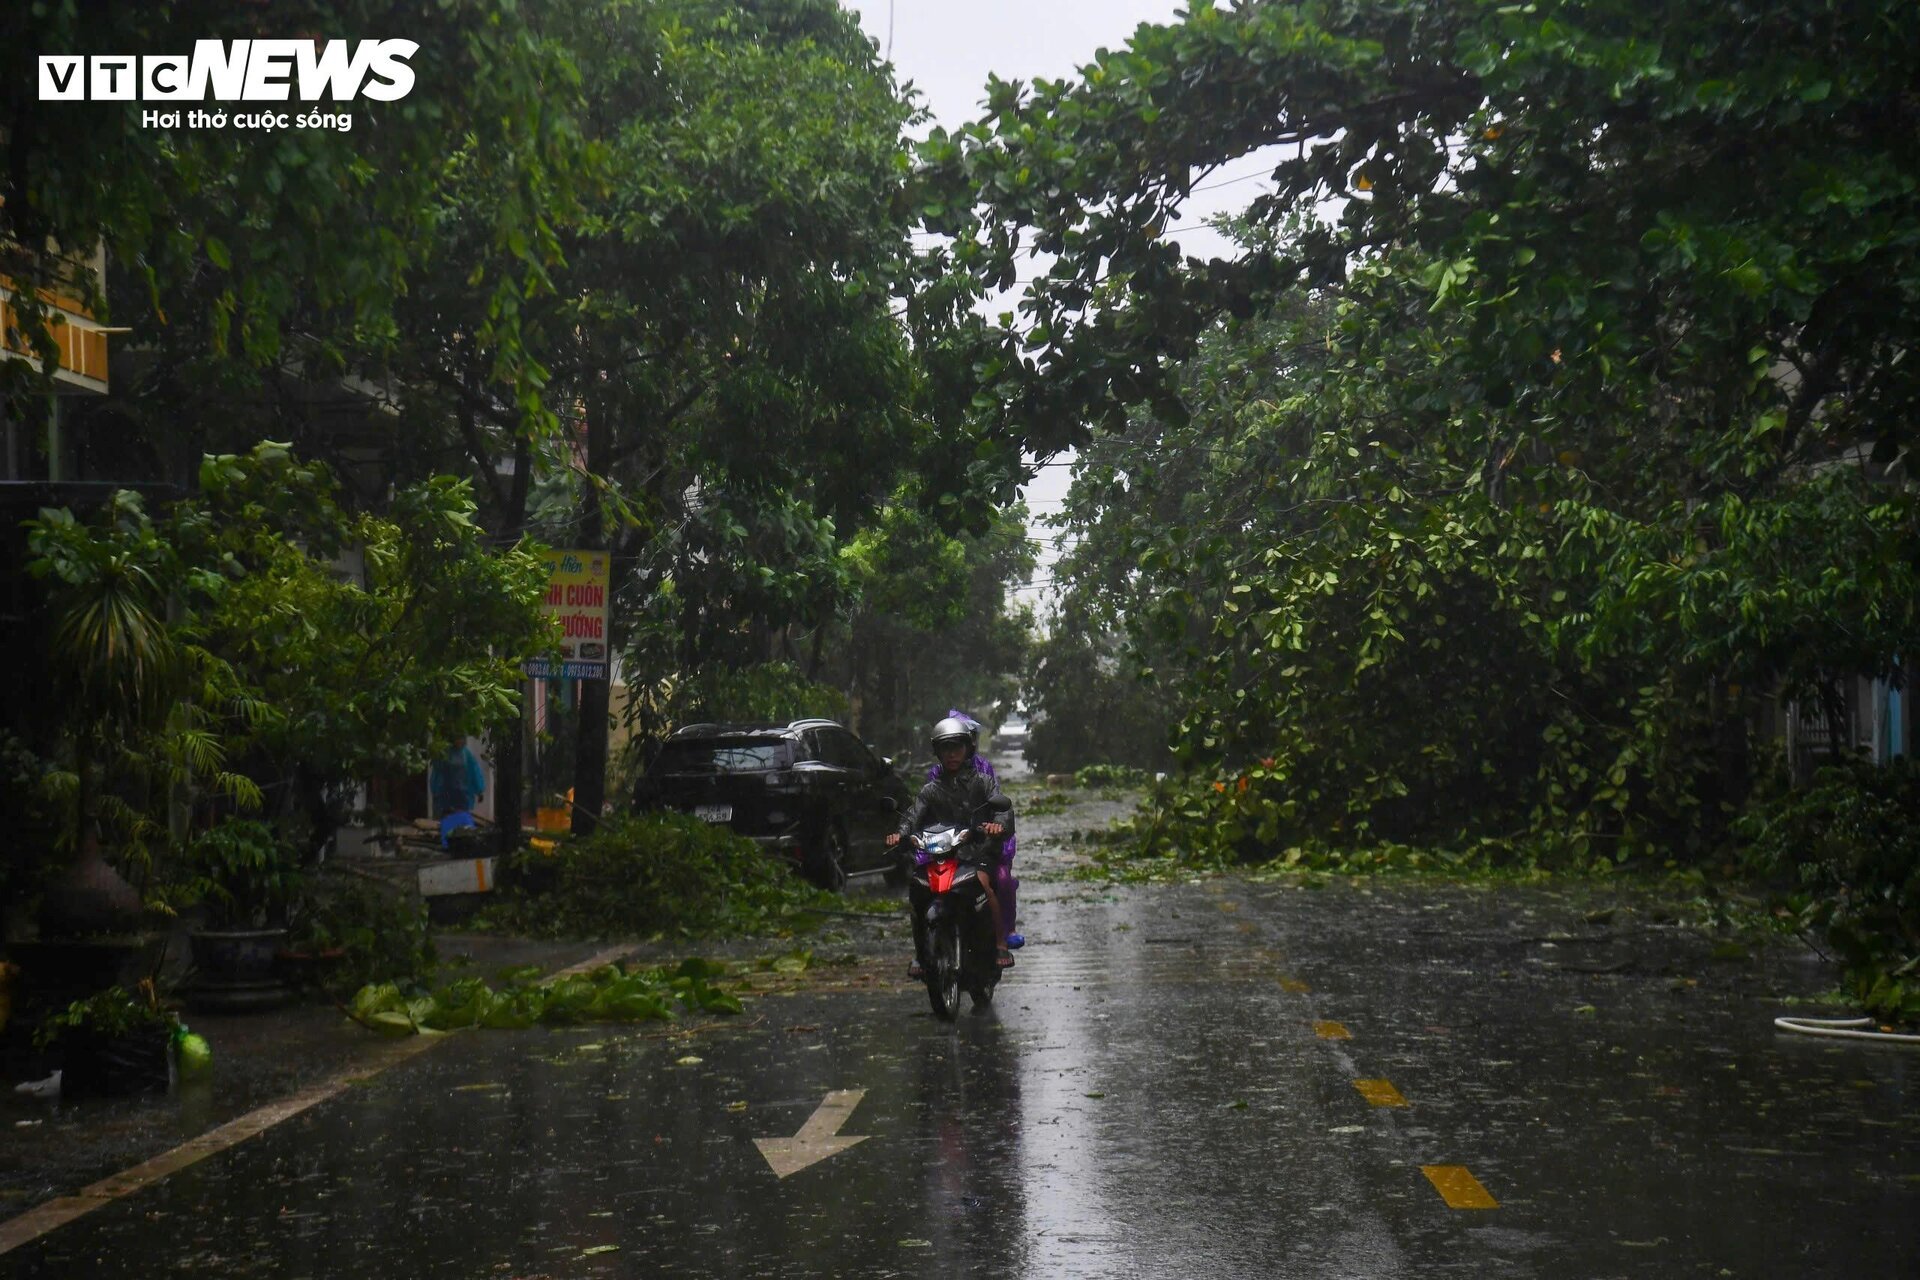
x: 577, y: 596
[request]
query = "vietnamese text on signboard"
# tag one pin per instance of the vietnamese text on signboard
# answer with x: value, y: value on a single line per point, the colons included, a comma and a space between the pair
x: 577, y: 596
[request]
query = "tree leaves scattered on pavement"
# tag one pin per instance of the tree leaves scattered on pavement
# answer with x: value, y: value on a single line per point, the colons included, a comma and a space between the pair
x: 610, y: 993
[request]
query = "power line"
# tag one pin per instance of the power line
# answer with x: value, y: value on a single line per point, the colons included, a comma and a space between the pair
x: 1228, y: 182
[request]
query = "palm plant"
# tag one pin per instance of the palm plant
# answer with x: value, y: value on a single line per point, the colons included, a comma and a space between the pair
x: 119, y: 669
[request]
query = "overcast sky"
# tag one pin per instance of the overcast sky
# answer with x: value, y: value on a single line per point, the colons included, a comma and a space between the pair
x: 946, y: 48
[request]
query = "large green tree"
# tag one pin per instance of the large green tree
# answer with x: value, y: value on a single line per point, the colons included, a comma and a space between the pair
x: 632, y: 267
x: 726, y: 334
x: 1595, y: 313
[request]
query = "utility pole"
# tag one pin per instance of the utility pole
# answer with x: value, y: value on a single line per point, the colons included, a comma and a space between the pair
x: 590, y: 747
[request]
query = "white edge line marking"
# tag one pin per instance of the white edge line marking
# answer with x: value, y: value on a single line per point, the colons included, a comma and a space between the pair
x: 42, y: 1218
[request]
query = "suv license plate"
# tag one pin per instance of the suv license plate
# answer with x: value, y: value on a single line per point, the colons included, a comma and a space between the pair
x: 713, y: 812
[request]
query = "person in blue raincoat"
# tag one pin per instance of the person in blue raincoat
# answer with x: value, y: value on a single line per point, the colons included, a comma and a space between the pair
x: 456, y: 781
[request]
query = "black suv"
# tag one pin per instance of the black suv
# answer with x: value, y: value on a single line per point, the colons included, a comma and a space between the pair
x: 810, y: 791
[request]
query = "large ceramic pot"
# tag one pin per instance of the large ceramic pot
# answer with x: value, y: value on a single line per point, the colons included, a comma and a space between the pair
x: 234, y: 970
x: 90, y: 899
x: 308, y: 967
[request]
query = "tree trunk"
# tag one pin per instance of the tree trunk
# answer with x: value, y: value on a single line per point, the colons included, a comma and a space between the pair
x: 856, y: 672
x: 509, y: 751
x: 509, y: 744
x: 590, y: 759
x: 813, y: 654
x: 1733, y: 726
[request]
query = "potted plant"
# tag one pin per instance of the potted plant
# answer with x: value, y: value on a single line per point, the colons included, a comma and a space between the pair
x: 245, y: 878
x: 112, y: 1043
x: 350, y: 932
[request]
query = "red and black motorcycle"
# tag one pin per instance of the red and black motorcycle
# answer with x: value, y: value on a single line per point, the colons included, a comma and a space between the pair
x: 953, y: 920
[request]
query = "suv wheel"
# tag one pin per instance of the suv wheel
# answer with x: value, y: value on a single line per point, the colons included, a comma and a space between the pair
x: 826, y: 861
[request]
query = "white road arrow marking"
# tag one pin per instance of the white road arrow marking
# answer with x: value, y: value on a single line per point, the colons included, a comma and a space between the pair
x: 818, y: 1137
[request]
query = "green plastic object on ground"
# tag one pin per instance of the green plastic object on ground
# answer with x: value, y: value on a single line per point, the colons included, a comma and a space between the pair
x: 193, y: 1054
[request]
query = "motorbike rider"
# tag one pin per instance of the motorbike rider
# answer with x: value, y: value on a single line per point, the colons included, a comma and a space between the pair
x: 955, y: 798
x: 1005, y: 886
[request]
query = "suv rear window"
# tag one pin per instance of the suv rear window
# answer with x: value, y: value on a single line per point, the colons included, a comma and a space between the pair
x: 725, y: 755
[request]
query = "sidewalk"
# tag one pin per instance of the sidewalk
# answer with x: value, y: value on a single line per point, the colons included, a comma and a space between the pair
x: 53, y: 1149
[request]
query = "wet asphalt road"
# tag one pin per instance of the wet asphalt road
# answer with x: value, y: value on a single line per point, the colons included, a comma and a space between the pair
x: 1212, y: 1079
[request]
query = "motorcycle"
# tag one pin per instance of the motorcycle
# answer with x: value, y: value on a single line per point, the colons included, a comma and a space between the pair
x: 952, y: 917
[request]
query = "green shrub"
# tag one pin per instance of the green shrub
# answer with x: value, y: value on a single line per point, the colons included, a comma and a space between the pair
x: 1111, y: 775
x: 364, y: 933
x: 243, y: 873
x: 1847, y: 849
x: 30, y: 796
x: 113, y: 1013
x: 638, y: 875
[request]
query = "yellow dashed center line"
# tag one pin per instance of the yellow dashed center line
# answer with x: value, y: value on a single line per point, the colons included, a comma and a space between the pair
x: 1456, y: 1185
x: 1460, y: 1189
x: 1380, y: 1093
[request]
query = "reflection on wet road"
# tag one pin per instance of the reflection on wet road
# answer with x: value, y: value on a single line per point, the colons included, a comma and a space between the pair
x: 1215, y: 1079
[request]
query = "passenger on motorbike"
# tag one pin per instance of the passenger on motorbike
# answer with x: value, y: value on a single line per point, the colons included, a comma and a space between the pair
x: 955, y: 798
x: 1005, y: 886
